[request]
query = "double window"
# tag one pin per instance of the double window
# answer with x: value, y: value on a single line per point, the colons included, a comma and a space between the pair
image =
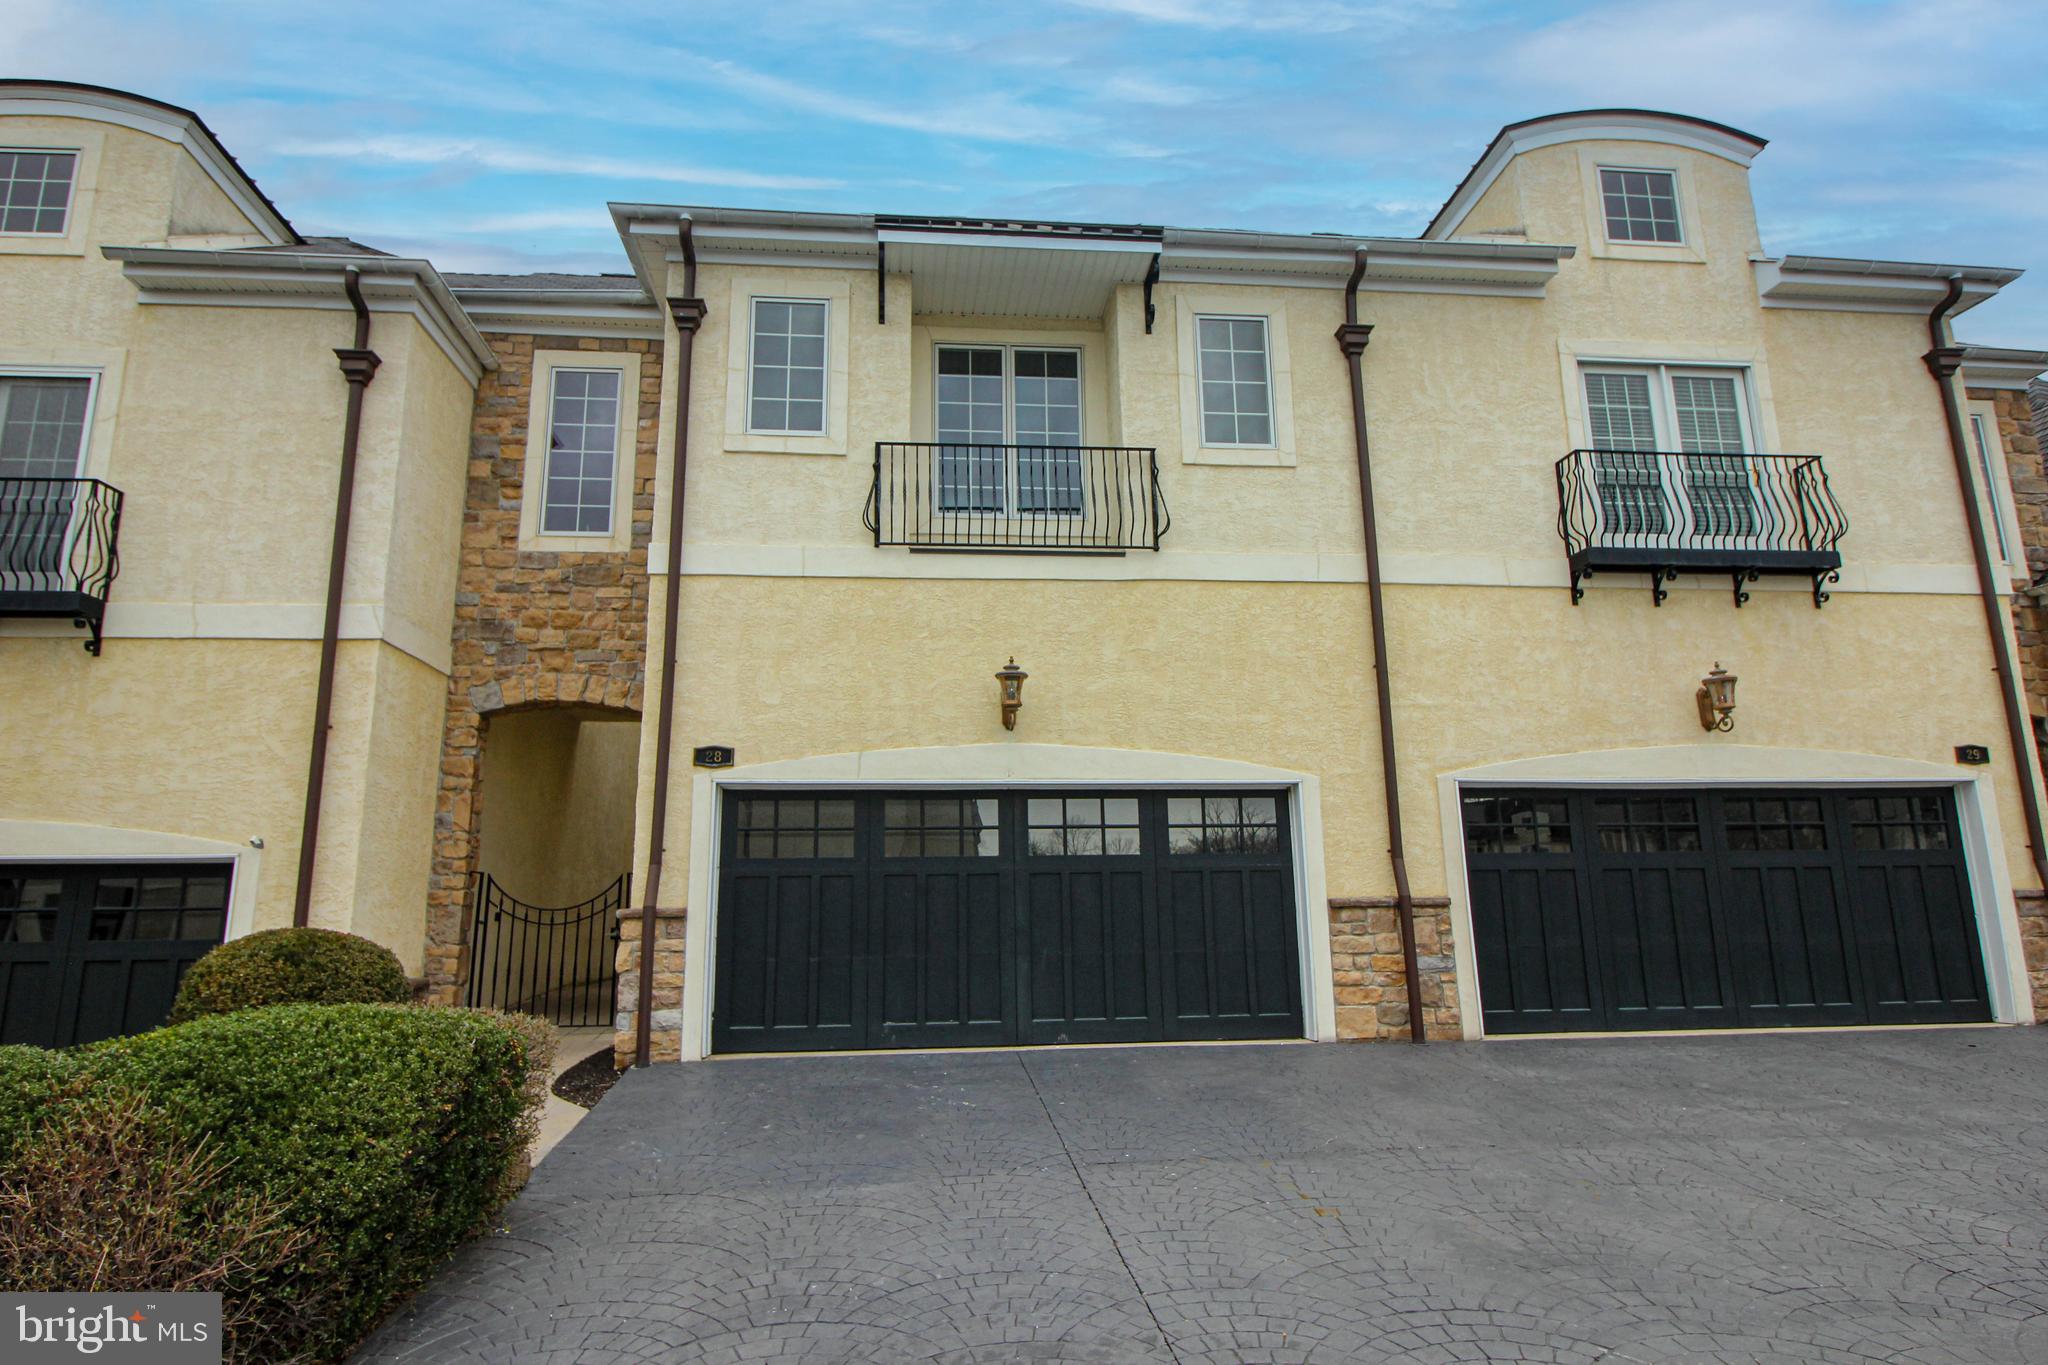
x: 1009, y: 429
x: 35, y: 191
x: 1640, y: 205
x: 786, y: 370
x: 1236, y: 381
x: 1658, y: 431
x: 42, y: 446
x: 583, y: 443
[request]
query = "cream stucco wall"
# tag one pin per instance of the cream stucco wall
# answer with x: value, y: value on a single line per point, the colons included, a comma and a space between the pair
x: 801, y: 639
x: 221, y: 425
x: 557, y: 803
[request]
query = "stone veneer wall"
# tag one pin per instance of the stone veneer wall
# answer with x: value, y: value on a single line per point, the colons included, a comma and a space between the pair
x: 532, y: 627
x: 1370, y: 979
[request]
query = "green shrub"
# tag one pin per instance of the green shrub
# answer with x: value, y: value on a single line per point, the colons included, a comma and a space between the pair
x: 112, y: 1196
x: 31, y: 1078
x: 291, y: 967
x: 380, y: 1137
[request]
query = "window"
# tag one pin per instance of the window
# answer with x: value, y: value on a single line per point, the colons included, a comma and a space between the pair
x: 1237, y: 392
x: 583, y: 443
x: 1910, y: 820
x: 1009, y: 429
x: 1082, y: 826
x: 786, y: 394
x: 1223, y: 824
x: 1661, y: 430
x: 35, y: 191
x: 795, y: 827
x: 1774, y: 823
x: 944, y: 827
x: 42, y: 445
x: 1647, y: 824
x: 1640, y: 205
x: 42, y: 426
x: 1517, y: 824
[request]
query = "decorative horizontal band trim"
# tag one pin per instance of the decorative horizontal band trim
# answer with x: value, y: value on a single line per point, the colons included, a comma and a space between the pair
x: 1494, y: 571
x: 248, y: 621
x: 1388, y: 902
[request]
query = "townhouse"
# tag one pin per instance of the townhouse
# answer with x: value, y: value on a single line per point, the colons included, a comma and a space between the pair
x: 859, y: 630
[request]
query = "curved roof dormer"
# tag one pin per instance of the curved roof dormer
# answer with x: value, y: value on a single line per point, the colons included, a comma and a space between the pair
x: 1589, y: 125
x: 72, y: 99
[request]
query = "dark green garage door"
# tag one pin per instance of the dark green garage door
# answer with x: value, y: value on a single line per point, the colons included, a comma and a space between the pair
x: 96, y: 950
x: 1720, y: 909
x: 952, y: 919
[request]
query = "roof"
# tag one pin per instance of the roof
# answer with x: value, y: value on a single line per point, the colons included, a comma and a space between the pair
x: 1580, y: 125
x: 175, y: 123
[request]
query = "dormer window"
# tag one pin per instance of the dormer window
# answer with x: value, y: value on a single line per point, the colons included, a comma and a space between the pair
x: 35, y: 190
x: 1641, y: 205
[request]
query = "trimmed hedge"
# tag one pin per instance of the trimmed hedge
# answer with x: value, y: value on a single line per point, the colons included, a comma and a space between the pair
x: 291, y: 967
x: 389, y: 1134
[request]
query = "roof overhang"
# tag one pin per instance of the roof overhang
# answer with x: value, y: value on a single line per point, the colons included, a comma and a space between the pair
x: 1589, y: 125
x: 1997, y: 367
x: 1066, y: 270
x: 278, y: 279
x: 66, y: 99
x: 1846, y: 285
x: 561, y: 312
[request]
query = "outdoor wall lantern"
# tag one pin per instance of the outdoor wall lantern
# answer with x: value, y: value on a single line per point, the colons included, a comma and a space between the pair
x: 1717, y: 700
x: 1011, y: 679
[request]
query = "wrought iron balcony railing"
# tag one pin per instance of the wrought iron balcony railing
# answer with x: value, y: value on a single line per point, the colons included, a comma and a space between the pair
x: 59, y: 549
x: 1016, y: 498
x: 1660, y: 512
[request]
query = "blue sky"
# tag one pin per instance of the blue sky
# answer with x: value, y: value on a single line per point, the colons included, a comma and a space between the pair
x: 490, y: 136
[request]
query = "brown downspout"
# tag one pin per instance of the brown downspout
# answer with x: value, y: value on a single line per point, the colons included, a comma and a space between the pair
x: 358, y: 366
x: 688, y: 312
x: 1352, y: 337
x: 1943, y: 361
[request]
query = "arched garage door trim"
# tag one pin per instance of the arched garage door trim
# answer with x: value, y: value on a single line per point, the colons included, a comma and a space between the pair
x: 1735, y: 765
x: 1008, y: 766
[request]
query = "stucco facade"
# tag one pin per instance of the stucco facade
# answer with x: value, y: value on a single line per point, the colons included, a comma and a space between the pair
x: 500, y: 699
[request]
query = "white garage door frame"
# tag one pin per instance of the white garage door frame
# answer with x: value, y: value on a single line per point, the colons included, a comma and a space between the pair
x: 1738, y: 765
x: 1008, y: 767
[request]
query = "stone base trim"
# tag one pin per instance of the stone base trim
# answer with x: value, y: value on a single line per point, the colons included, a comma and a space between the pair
x: 2033, y: 911
x: 665, y: 1043
x: 1371, y: 979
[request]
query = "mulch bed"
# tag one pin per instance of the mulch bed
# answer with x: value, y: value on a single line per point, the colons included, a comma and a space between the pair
x: 586, y: 1082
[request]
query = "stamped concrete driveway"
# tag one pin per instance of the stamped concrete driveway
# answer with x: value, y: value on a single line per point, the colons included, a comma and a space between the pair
x: 1816, y: 1197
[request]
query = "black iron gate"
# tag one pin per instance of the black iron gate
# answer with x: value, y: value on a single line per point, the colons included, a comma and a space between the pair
x: 557, y: 962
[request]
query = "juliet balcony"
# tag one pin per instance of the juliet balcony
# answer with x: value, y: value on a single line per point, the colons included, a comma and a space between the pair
x: 1016, y: 499
x: 59, y: 550
x: 1661, y: 512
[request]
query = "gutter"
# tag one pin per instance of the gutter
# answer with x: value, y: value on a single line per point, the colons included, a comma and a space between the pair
x: 1943, y: 361
x: 358, y: 366
x: 1352, y: 338
x: 689, y: 313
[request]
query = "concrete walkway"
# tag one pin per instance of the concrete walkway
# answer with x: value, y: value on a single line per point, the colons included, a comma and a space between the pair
x: 558, y: 1117
x: 1876, y: 1196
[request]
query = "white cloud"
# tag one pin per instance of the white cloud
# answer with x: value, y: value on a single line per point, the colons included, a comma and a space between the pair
x: 411, y: 149
x: 1275, y: 16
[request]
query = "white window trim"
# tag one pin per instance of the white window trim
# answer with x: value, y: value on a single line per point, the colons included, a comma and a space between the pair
x: 824, y: 399
x: 1663, y: 401
x: 37, y: 135
x: 1202, y: 410
x: 738, y: 322
x: 625, y: 456
x: 91, y: 376
x: 1578, y: 355
x: 77, y: 156
x: 1011, y: 511
x: 1599, y: 244
x: 1677, y: 196
x: 1189, y: 306
x: 1981, y: 419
